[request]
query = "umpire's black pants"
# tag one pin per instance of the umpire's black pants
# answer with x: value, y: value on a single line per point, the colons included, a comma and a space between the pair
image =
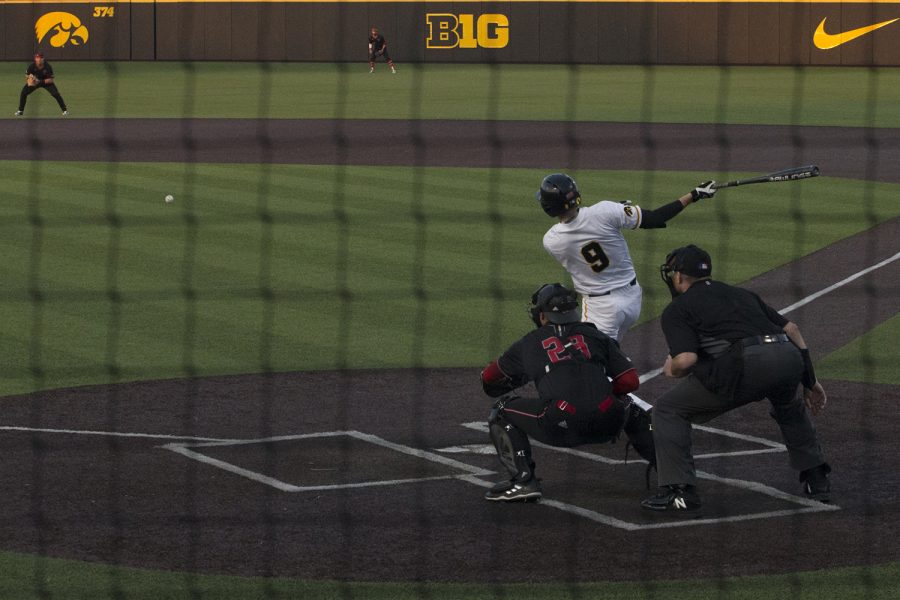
x: 771, y: 371
x: 28, y: 89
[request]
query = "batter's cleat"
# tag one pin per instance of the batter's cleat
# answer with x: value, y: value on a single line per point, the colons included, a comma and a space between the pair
x: 393, y: 70
x: 18, y: 113
x: 815, y: 483
x: 371, y: 69
x: 515, y: 491
x: 65, y: 113
x: 675, y: 499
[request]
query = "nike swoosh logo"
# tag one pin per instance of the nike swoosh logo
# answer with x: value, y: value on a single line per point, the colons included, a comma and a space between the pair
x: 827, y: 41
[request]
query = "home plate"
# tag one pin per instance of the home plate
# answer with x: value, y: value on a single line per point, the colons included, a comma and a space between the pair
x: 468, y: 449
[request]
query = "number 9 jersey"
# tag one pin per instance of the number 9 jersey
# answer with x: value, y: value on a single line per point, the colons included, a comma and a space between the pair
x: 593, y: 250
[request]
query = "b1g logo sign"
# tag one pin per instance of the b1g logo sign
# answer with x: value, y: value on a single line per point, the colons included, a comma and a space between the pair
x: 446, y: 31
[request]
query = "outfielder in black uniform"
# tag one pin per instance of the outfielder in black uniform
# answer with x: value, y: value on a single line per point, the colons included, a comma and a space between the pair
x: 729, y: 348
x: 378, y: 47
x: 570, y: 363
x: 39, y: 74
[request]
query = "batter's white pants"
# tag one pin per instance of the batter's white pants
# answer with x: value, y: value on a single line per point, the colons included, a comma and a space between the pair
x: 614, y: 313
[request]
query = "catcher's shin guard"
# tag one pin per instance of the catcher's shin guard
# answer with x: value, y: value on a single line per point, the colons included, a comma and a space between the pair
x: 513, y: 447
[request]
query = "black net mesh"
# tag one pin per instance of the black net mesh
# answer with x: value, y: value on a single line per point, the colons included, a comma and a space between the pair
x: 340, y: 447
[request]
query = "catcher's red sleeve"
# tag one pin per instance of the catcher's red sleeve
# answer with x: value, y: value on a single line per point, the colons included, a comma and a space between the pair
x: 492, y: 374
x: 625, y: 382
x: 495, y: 382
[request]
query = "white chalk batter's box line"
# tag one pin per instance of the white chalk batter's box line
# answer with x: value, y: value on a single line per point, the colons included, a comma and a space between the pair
x: 185, y: 449
x: 806, y: 505
x: 473, y: 474
x: 769, y: 446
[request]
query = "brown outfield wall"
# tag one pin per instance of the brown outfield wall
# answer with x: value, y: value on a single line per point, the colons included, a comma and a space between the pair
x: 588, y: 32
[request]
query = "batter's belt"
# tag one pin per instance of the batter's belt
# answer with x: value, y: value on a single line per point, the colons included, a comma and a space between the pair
x: 632, y: 282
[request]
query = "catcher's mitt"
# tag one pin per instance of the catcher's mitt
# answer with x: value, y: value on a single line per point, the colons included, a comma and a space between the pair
x: 32, y: 80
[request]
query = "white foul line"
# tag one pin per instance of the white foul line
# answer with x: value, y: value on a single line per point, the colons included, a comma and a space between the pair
x: 840, y: 283
x: 150, y: 436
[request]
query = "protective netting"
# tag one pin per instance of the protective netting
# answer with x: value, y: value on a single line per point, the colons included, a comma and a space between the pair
x: 299, y: 415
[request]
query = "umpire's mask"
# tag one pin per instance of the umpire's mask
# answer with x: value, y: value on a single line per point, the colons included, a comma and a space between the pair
x: 688, y: 260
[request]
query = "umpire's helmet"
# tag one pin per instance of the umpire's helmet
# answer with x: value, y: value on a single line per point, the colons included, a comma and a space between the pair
x: 690, y: 260
x: 558, y: 303
x: 558, y: 194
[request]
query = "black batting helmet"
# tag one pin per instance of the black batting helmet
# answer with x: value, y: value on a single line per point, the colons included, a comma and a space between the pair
x: 558, y: 194
x: 558, y: 303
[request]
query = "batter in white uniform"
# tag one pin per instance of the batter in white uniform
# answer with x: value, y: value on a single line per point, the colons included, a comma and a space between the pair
x: 589, y: 243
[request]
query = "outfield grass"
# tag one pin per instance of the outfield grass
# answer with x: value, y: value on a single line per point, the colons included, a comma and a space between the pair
x: 844, y: 96
x: 872, y: 358
x: 103, y: 281
x: 84, y: 581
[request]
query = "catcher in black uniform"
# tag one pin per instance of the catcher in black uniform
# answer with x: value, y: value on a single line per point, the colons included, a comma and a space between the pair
x: 39, y: 74
x: 571, y: 363
x: 378, y: 47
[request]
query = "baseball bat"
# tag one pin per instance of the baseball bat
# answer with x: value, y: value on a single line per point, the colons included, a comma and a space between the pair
x: 786, y: 175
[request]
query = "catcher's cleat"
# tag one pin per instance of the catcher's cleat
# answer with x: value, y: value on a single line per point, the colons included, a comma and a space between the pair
x: 815, y: 483
x: 675, y: 499
x: 18, y: 113
x: 515, y: 491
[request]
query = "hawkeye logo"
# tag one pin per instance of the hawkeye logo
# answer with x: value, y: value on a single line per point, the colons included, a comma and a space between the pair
x: 65, y: 28
x: 446, y: 31
x: 827, y: 41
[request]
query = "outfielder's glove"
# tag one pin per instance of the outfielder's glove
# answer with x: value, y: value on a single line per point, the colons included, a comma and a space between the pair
x: 32, y: 80
x: 704, y: 190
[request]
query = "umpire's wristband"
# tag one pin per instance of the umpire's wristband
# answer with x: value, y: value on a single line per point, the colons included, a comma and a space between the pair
x: 809, y: 375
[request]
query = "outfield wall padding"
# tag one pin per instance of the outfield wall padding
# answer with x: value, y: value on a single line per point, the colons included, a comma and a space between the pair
x: 672, y: 33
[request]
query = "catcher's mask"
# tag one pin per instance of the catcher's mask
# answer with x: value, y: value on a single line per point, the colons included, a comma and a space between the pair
x: 688, y: 260
x: 558, y: 303
x: 558, y: 194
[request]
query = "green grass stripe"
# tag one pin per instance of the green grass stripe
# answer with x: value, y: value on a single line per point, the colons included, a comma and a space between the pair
x: 438, y: 270
x: 872, y: 358
x: 26, y: 577
x: 842, y: 96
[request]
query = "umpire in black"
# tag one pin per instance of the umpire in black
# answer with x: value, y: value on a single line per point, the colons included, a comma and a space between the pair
x: 39, y: 74
x: 571, y: 363
x: 729, y: 348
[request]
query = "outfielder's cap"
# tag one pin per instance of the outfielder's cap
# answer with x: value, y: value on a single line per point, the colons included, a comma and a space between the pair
x: 39, y: 55
x: 690, y: 260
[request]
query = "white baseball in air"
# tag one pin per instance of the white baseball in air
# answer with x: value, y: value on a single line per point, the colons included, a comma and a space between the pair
x: 170, y: 198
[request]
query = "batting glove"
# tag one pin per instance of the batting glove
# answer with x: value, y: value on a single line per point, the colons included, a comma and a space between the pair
x: 704, y: 190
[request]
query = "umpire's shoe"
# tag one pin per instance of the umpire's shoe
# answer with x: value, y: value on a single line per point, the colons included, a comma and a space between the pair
x: 815, y: 483
x: 515, y: 490
x: 675, y: 499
